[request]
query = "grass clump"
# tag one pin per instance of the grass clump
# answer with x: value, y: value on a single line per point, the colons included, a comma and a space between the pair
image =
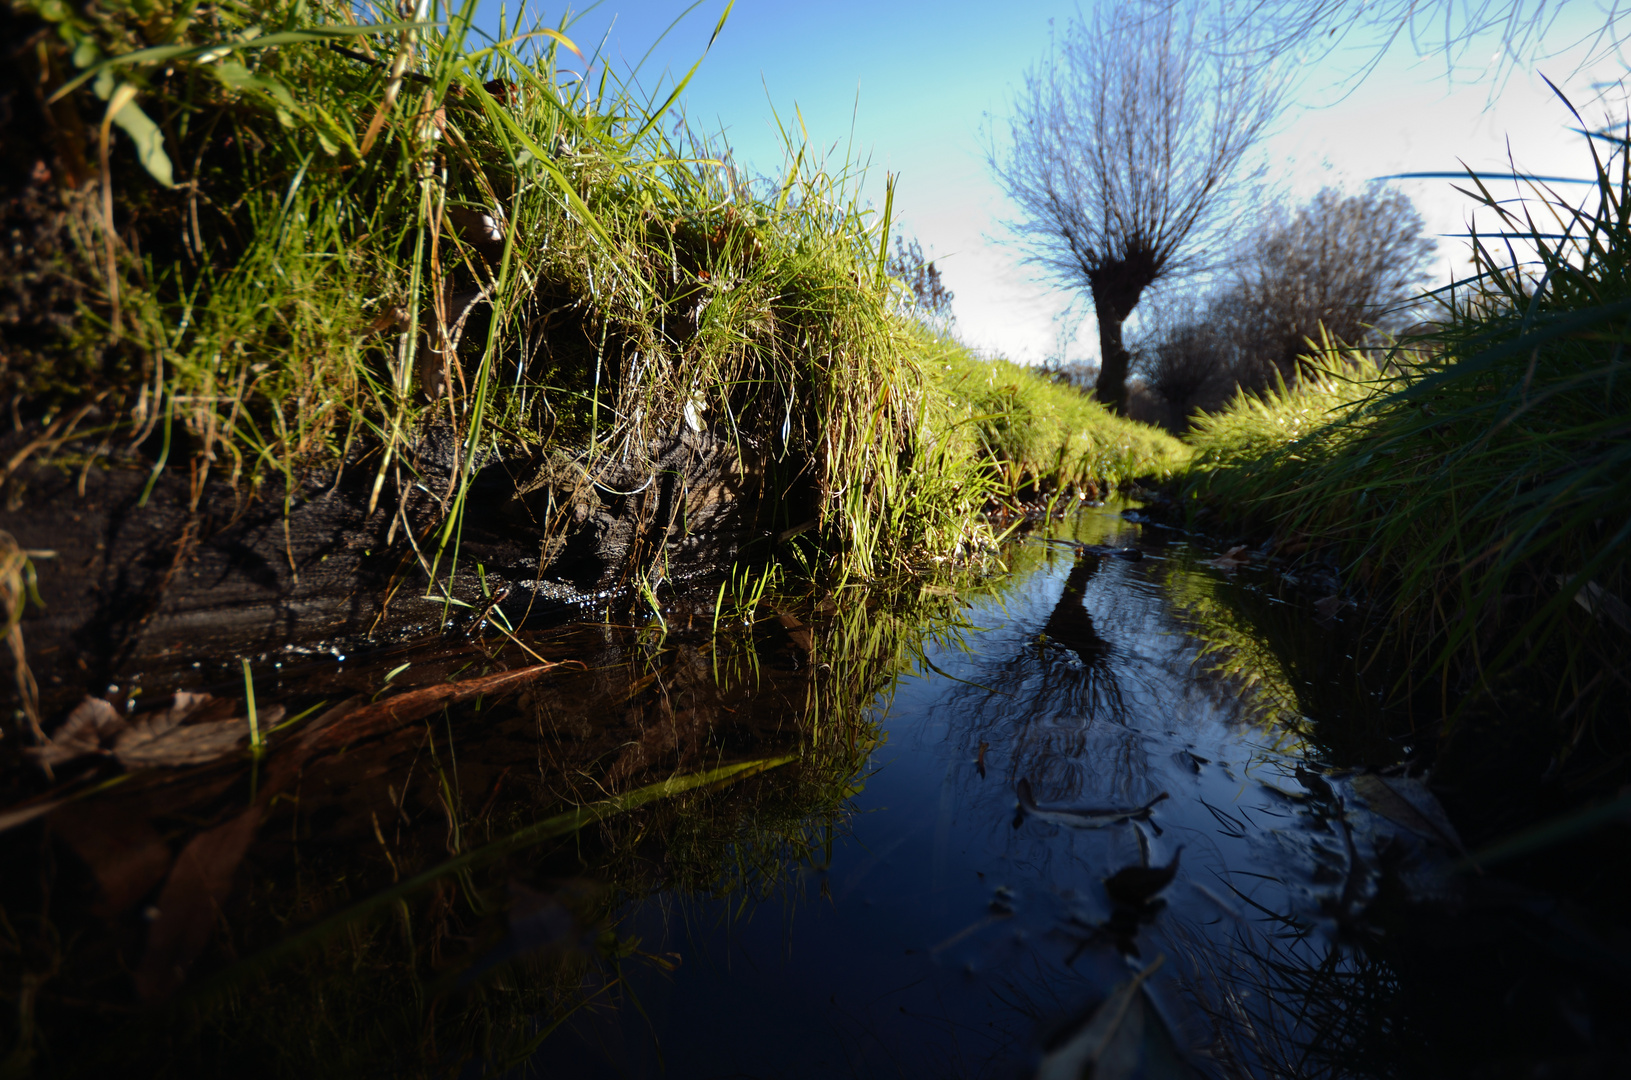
x: 298, y: 237
x: 1249, y: 456
x: 1482, y: 490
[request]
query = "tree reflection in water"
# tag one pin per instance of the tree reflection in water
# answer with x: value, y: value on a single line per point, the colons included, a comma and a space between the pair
x: 1053, y: 696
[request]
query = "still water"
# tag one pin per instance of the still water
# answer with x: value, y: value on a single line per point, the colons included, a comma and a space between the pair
x: 1059, y: 814
x: 945, y: 931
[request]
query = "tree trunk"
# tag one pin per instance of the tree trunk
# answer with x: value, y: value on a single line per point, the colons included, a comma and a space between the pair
x: 1111, y: 388
x: 1117, y: 285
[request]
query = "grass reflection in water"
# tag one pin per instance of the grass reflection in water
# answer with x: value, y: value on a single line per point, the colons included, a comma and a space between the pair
x: 445, y: 886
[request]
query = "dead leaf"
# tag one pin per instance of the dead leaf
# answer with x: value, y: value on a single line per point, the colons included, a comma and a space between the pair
x: 1602, y: 603
x: 797, y: 631
x: 190, y: 905
x: 1109, y: 1046
x: 92, y: 722
x: 189, y: 744
x: 405, y: 708
x: 1408, y: 804
x: 1135, y: 886
x: 1233, y: 559
x: 123, y: 851
x: 189, y: 731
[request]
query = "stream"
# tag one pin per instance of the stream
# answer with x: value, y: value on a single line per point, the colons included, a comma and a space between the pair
x: 1064, y: 816
x: 945, y: 931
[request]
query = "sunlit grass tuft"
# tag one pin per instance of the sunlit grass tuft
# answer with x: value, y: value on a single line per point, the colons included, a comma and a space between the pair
x: 1040, y: 436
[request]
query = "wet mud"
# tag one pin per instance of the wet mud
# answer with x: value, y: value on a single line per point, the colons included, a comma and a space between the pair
x: 138, y: 568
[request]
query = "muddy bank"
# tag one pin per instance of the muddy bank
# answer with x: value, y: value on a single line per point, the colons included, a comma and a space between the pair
x: 141, y: 572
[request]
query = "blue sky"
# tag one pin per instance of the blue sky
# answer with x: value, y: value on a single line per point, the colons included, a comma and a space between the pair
x: 914, y: 87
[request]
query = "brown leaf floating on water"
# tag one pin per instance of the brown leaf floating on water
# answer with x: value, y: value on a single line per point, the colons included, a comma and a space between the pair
x: 1327, y: 606
x: 1109, y: 1046
x: 188, y: 744
x: 92, y: 722
x: 797, y: 631
x: 1408, y: 803
x: 190, y: 905
x: 169, y: 737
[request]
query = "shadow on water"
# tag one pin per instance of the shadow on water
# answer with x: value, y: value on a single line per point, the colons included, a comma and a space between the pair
x: 432, y: 865
x: 1074, y: 813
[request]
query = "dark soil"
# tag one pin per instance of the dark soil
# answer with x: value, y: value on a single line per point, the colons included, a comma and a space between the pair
x: 131, y: 583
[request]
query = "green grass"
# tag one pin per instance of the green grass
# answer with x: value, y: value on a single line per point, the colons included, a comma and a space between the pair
x: 1251, y: 458
x: 285, y: 205
x: 1041, y: 436
x: 1481, y: 491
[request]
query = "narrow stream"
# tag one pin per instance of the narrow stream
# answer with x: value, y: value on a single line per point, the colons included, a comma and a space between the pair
x: 948, y: 932
x: 1065, y: 815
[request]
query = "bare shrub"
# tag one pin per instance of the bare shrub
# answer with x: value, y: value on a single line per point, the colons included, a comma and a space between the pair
x: 931, y: 300
x: 1353, y: 265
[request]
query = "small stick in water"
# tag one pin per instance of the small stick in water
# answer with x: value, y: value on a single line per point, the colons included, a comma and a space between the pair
x: 476, y: 623
x: 1095, y: 818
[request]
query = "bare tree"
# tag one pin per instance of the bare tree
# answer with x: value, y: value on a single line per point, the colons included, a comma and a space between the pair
x: 1187, y: 364
x: 1452, y: 28
x: 1124, y: 150
x: 1354, y: 265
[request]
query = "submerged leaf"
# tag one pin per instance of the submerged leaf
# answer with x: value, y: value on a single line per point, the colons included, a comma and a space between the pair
x: 190, y: 905
x: 1408, y: 803
x: 1109, y: 1045
x: 1233, y: 559
x: 123, y: 851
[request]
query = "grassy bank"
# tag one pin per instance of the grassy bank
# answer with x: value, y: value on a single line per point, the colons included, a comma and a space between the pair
x: 1478, y: 491
x: 272, y: 242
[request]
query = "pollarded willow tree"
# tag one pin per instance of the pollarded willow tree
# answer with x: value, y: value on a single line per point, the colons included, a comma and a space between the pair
x: 1126, y: 149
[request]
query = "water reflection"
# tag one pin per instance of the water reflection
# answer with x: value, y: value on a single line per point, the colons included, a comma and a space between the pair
x: 785, y: 849
x: 431, y: 865
x: 945, y: 935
